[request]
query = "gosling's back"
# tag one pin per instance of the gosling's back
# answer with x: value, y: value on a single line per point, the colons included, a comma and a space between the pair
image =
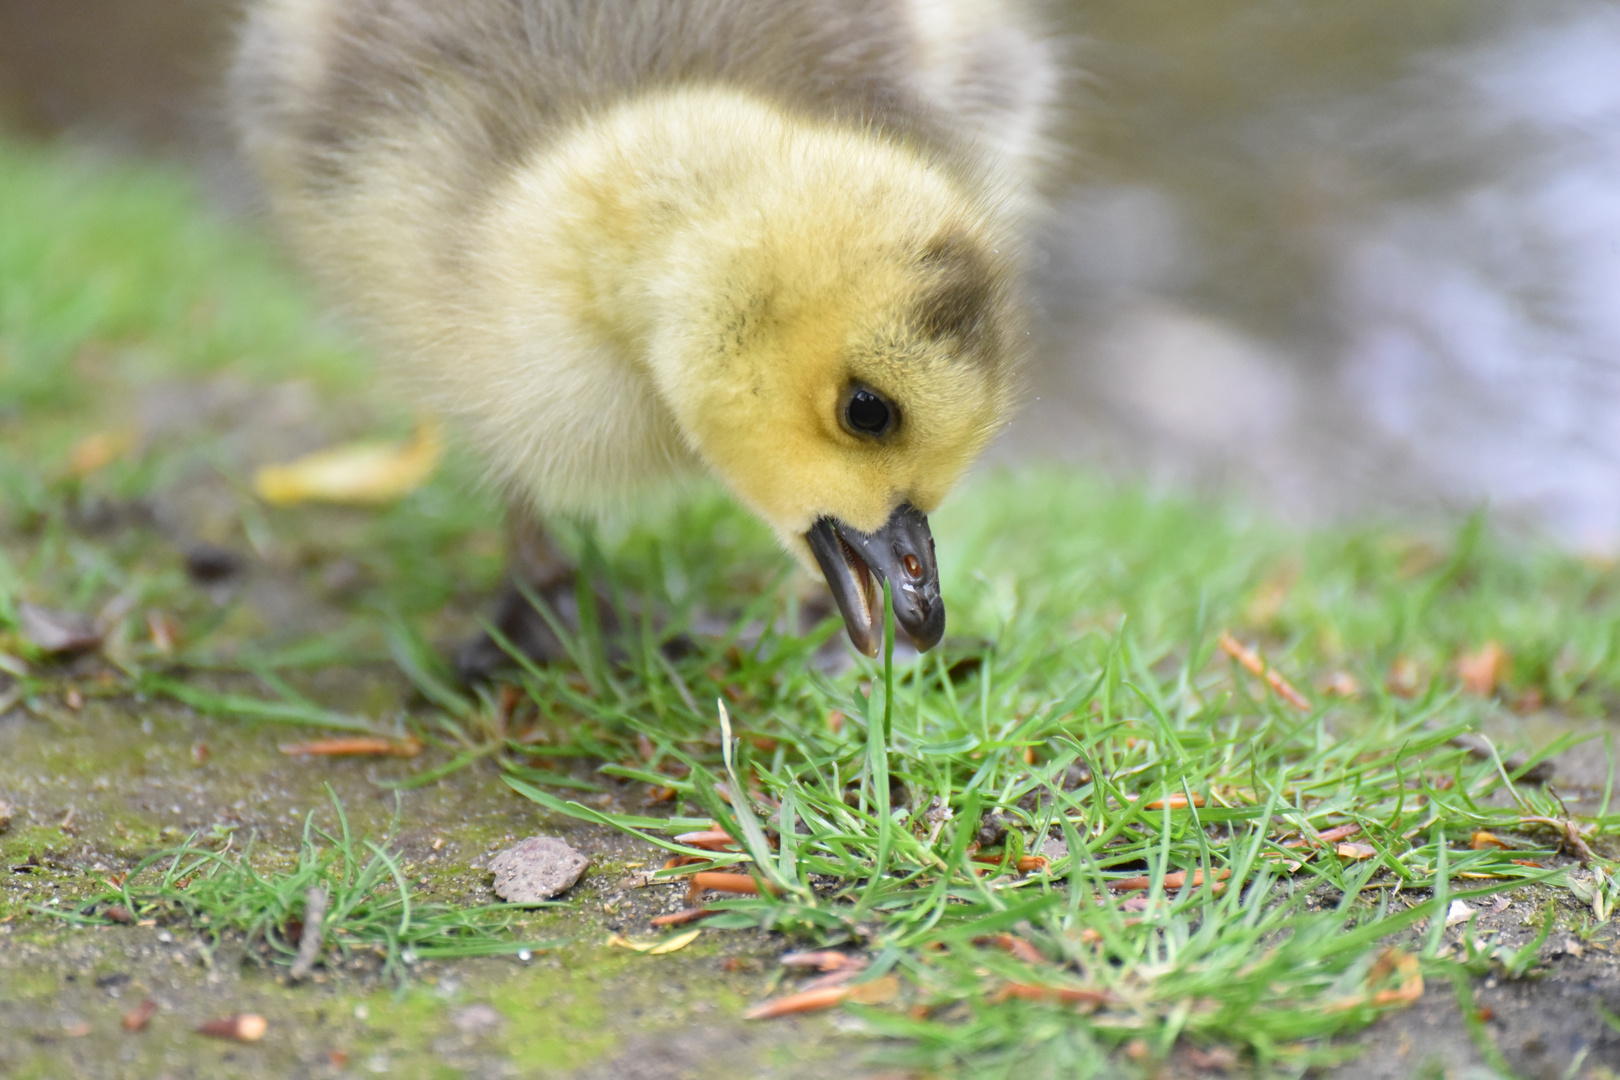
x: 322, y: 84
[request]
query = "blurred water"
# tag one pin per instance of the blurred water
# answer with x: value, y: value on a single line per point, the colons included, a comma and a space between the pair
x: 1343, y: 257
x: 1390, y: 278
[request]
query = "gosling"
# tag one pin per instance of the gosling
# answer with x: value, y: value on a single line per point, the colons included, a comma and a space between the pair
x: 617, y: 242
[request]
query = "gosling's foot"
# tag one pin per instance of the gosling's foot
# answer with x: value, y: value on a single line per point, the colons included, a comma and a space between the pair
x: 545, y: 573
x: 528, y: 632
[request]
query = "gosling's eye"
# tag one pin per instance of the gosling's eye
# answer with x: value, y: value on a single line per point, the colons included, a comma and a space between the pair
x: 868, y: 413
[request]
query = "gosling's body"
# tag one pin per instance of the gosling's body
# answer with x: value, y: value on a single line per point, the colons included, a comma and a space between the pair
x: 619, y: 241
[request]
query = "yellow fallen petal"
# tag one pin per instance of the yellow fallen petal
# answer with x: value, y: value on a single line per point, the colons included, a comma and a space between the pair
x: 366, y: 472
x: 625, y: 943
x: 674, y: 944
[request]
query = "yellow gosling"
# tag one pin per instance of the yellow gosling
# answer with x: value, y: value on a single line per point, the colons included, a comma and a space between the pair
x: 616, y: 243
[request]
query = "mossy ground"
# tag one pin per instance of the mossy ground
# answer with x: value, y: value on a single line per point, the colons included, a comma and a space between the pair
x: 128, y: 317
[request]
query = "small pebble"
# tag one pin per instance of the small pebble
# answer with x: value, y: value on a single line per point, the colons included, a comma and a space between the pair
x: 536, y: 869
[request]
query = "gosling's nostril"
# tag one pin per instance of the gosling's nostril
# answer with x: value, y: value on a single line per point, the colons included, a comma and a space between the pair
x: 913, y: 565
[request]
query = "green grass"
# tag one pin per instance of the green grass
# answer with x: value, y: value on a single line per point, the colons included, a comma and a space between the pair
x: 370, y: 915
x: 1080, y: 682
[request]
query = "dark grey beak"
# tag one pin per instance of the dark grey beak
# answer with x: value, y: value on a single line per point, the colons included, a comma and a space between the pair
x: 901, y: 553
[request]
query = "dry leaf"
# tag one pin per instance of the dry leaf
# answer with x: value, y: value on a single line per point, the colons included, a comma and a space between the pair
x: 1341, y: 684
x: 360, y: 473
x: 141, y: 1015
x: 1482, y: 840
x: 621, y: 942
x: 674, y: 944
x: 1482, y: 670
x: 1403, y: 677
x: 98, y: 450
x: 1268, y: 599
x: 1458, y: 912
x: 58, y: 632
x: 165, y: 635
x: 1356, y: 851
x: 875, y: 992
x: 1392, y: 961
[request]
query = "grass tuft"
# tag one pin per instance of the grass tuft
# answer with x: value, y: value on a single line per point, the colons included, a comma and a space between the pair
x: 370, y: 917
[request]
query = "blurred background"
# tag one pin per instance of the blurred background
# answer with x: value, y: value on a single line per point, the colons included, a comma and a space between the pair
x: 1341, y: 259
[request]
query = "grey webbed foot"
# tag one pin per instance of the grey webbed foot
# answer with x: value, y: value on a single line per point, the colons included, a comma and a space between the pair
x: 547, y: 574
x: 481, y: 657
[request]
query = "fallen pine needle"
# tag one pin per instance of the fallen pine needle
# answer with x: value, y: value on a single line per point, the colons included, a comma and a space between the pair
x: 1171, y: 881
x: 244, y: 1027
x: 805, y: 1001
x: 1025, y: 864
x: 355, y: 746
x: 1014, y: 944
x: 685, y: 860
x: 1251, y: 660
x: 1069, y: 995
x: 1325, y: 837
x: 1177, y: 801
x: 684, y: 916
x: 825, y: 997
x: 718, y: 881
x: 1391, y: 961
x: 709, y: 840
x: 822, y: 960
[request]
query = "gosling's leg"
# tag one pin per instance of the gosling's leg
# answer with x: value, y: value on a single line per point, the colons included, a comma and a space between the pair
x: 535, y: 561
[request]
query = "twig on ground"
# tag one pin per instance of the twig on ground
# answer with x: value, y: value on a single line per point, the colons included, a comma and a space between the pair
x: 1252, y: 661
x: 309, y: 942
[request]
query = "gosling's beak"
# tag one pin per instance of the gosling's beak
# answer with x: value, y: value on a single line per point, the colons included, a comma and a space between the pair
x: 901, y: 553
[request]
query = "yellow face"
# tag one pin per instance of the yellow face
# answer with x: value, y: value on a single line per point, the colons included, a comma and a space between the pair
x: 826, y: 377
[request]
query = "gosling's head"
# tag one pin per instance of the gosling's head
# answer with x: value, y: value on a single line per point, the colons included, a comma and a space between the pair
x: 839, y: 363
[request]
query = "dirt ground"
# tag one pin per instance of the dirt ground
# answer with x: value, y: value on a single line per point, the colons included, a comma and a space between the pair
x: 96, y: 788
x: 93, y: 790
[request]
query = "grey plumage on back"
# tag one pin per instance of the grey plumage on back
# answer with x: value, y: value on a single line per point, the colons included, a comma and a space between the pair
x: 324, y: 85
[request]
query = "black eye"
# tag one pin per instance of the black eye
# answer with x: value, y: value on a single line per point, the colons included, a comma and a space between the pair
x: 868, y: 413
